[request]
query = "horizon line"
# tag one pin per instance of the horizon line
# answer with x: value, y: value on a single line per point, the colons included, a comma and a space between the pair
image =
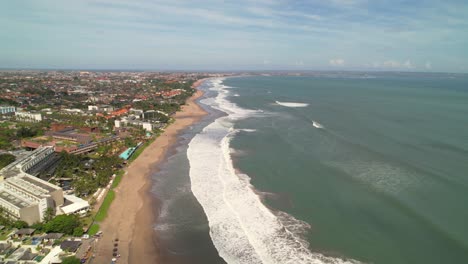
x: 6, y: 69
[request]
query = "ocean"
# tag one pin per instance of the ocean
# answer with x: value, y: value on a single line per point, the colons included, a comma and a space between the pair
x: 335, y: 168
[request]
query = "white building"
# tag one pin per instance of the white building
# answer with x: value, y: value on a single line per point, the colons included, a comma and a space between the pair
x: 125, y: 121
x: 147, y: 126
x: 28, y: 116
x: 75, y: 205
x: 93, y: 108
x: 24, y: 196
x: 101, y: 108
x: 7, y: 109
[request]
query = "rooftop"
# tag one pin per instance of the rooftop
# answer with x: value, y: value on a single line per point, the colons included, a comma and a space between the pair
x: 13, y: 199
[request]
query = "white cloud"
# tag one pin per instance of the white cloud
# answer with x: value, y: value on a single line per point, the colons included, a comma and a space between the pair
x: 336, y: 62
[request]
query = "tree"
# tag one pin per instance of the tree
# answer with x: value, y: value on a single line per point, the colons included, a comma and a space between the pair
x: 78, y: 231
x: 6, y: 159
x: 4, y: 219
x: 48, y: 214
x: 20, y: 224
x: 63, y: 224
x: 38, y: 226
x: 71, y: 260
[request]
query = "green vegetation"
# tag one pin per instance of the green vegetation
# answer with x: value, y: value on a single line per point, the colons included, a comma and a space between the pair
x: 71, y: 260
x: 27, y: 132
x: 6, y: 101
x: 140, y: 150
x: 117, y: 179
x: 102, y: 213
x: 93, y: 229
x: 6, y: 159
x: 87, y: 178
x: 67, y: 224
x: 10, y: 132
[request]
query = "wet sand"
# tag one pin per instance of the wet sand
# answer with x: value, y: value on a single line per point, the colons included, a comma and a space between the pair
x: 131, y: 216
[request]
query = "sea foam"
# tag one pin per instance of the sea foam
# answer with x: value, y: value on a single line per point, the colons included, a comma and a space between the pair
x: 243, y: 230
x: 291, y: 104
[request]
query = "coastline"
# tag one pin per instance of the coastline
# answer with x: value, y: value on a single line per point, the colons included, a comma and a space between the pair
x: 133, y: 213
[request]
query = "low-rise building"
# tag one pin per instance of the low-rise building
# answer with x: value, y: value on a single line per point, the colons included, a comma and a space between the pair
x: 127, y: 121
x: 7, y: 109
x: 74, y: 205
x: 28, y: 116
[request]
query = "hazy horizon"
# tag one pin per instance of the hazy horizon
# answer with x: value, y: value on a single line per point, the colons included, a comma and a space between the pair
x: 266, y: 35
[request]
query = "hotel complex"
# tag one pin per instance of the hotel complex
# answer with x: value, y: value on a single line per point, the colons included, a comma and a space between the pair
x: 28, y: 116
x: 7, y: 109
x: 24, y: 196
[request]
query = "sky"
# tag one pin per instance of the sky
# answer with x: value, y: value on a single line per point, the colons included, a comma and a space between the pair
x: 385, y: 35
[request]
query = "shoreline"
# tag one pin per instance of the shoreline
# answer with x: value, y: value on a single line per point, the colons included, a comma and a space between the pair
x: 132, y: 214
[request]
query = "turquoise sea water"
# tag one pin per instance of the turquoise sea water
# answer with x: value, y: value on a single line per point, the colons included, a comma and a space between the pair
x: 378, y: 167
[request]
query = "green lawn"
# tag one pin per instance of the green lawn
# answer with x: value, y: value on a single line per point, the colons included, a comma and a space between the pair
x: 117, y: 179
x: 102, y: 213
x: 4, y: 234
x: 93, y: 229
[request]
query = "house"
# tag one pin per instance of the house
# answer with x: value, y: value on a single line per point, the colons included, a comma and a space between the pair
x: 21, y: 254
x: 5, y: 248
x: 24, y: 232
x: 50, y: 238
x: 70, y: 245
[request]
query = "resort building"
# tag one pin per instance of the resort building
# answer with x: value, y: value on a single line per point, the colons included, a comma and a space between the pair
x: 127, y: 121
x: 28, y: 116
x: 74, y: 205
x: 7, y: 109
x: 25, y: 197
x: 70, y: 134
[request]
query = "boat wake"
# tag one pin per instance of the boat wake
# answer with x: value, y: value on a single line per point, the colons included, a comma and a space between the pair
x: 292, y: 104
x: 317, y: 124
x: 242, y: 228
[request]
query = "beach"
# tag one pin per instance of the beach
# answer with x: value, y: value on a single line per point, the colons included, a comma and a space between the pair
x: 133, y: 213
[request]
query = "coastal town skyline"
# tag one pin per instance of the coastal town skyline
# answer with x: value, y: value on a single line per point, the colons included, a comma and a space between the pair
x: 235, y: 35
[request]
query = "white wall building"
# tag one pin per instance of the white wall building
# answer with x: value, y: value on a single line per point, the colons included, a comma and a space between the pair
x: 24, y: 196
x: 28, y: 116
x: 7, y: 109
x: 147, y: 126
x: 125, y: 121
x: 93, y: 108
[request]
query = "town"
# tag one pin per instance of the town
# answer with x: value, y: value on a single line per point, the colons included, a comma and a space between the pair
x: 65, y: 139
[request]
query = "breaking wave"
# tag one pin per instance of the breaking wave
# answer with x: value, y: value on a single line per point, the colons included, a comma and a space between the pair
x: 291, y: 104
x: 242, y: 228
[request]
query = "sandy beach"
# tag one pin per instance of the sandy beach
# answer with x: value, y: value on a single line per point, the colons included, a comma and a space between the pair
x: 132, y: 214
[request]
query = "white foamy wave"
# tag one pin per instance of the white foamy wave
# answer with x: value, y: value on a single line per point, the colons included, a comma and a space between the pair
x: 236, y: 95
x: 317, y: 124
x: 248, y: 130
x: 291, y: 104
x: 243, y: 230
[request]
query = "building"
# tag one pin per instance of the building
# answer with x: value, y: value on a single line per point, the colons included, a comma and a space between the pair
x: 147, y: 126
x: 70, y: 134
x: 93, y: 108
x: 101, y: 108
x: 7, y: 109
x: 28, y: 116
x: 25, y: 197
x: 127, y: 121
x: 75, y: 205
